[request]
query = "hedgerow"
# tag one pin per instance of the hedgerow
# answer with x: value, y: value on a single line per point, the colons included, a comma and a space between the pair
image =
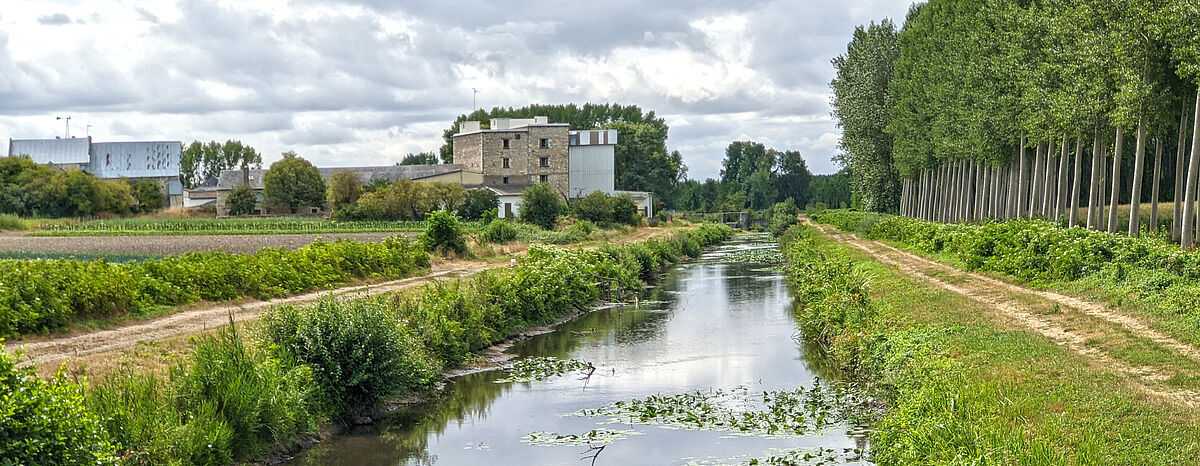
x: 1028, y: 249
x: 43, y: 295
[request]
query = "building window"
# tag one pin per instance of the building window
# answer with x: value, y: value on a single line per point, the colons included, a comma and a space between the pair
x: 543, y: 178
x: 505, y: 162
x: 506, y: 180
x: 506, y: 143
x: 544, y: 162
x: 545, y: 143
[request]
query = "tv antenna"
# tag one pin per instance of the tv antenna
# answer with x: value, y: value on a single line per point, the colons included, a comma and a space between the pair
x: 68, y: 118
x: 474, y: 92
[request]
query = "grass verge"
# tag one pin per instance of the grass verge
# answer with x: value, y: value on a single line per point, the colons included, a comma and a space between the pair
x: 962, y: 388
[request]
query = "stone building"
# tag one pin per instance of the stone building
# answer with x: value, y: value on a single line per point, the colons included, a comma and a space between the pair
x: 520, y: 152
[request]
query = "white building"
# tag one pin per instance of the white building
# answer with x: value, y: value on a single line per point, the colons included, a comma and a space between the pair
x: 155, y: 160
x: 591, y: 162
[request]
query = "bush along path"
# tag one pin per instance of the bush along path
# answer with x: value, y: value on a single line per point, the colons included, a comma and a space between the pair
x: 237, y: 396
x: 977, y: 372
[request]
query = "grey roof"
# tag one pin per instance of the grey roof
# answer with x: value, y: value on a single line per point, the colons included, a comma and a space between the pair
x: 507, y: 189
x: 136, y: 159
x: 230, y: 179
x: 58, y: 151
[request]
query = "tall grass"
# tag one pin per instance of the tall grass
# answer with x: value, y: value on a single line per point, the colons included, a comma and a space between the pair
x: 12, y: 222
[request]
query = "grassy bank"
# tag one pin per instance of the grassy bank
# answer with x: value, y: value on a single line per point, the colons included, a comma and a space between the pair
x: 962, y: 386
x: 1146, y: 277
x: 237, y: 396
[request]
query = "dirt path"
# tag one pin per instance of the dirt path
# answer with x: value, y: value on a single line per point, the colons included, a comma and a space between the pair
x: 200, y: 319
x: 1089, y: 329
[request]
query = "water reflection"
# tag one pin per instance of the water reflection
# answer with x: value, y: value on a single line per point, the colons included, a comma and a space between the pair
x: 708, y: 325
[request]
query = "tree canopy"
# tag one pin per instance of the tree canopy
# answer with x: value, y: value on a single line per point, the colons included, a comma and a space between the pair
x: 293, y: 182
x: 201, y: 161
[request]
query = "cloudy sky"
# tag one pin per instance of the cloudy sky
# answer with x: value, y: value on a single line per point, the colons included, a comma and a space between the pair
x: 365, y: 82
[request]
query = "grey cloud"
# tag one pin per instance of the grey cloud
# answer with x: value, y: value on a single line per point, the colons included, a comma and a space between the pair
x: 56, y: 19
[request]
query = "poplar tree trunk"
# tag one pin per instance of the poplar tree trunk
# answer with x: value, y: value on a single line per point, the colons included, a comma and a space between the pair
x: 1060, y: 195
x: 1158, y: 147
x: 1076, y: 178
x: 1193, y: 166
x: 1035, y: 184
x: 1105, y: 171
x: 1135, y: 196
x: 1093, y: 219
x: 1021, y: 181
x: 1048, y: 183
x: 1115, y: 198
x: 1177, y: 219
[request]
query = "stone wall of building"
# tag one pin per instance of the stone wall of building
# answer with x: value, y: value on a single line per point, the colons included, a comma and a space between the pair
x: 555, y: 155
x: 468, y: 151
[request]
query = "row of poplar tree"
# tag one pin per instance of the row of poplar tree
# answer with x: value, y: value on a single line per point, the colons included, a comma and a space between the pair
x: 1014, y: 108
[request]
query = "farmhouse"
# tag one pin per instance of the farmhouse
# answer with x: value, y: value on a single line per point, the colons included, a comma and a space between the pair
x: 154, y: 160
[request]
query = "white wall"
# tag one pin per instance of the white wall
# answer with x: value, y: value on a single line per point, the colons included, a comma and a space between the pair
x: 514, y: 200
x: 592, y: 168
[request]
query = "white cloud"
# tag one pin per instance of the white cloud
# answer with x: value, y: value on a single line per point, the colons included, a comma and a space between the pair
x: 361, y: 82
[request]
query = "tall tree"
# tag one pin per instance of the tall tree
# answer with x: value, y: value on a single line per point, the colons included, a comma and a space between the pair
x: 293, y: 182
x: 201, y: 161
x: 861, y: 104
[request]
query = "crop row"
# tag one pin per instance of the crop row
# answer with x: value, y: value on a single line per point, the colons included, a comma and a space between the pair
x: 237, y: 396
x: 269, y: 225
x: 44, y: 295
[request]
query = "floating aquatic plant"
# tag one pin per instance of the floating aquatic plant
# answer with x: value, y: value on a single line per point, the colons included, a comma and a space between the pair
x: 594, y: 437
x: 541, y: 368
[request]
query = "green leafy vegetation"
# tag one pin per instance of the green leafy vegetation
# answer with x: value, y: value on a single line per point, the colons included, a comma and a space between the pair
x: 478, y: 204
x: 31, y: 190
x: 229, y: 226
x: 778, y: 413
x: 444, y: 233
x: 241, y: 200
x: 500, y: 232
x: 541, y: 368
x: 201, y: 161
x: 541, y: 206
x: 592, y: 437
x: 291, y: 183
x: 44, y: 295
x: 45, y: 421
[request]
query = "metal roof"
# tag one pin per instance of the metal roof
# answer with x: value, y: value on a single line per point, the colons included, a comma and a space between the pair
x: 136, y: 159
x: 230, y: 179
x: 57, y: 151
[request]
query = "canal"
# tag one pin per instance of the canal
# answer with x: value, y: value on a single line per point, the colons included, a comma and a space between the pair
x: 716, y: 328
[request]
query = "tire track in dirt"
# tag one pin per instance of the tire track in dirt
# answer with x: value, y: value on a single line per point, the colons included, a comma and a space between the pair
x: 199, y: 320
x: 1001, y: 298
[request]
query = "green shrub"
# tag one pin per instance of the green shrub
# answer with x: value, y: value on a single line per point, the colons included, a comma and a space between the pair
x: 359, y: 355
x: 541, y: 206
x: 595, y: 207
x: 46, y: 422
x: 478, y: 203
x: 11, y: 222
x: 500, y: 232
x: 625, y: 210
x: 148, y: 194
x: 240, y: 201
x: 444, y: 233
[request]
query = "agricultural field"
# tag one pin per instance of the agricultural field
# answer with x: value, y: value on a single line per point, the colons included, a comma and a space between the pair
x: 58, y: 246
x: 227, y: 226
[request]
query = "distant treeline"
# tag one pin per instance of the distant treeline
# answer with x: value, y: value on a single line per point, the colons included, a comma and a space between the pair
x: 31, y: 190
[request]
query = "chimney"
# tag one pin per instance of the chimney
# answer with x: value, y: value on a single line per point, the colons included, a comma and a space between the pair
x: 245, y: 174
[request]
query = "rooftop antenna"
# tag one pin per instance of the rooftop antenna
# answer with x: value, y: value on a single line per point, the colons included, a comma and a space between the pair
x: 68, y: 118
x: 88, y: 130
x: 474, y: 92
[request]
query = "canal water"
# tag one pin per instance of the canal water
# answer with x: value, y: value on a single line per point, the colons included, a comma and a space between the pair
x: 708, y: 325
